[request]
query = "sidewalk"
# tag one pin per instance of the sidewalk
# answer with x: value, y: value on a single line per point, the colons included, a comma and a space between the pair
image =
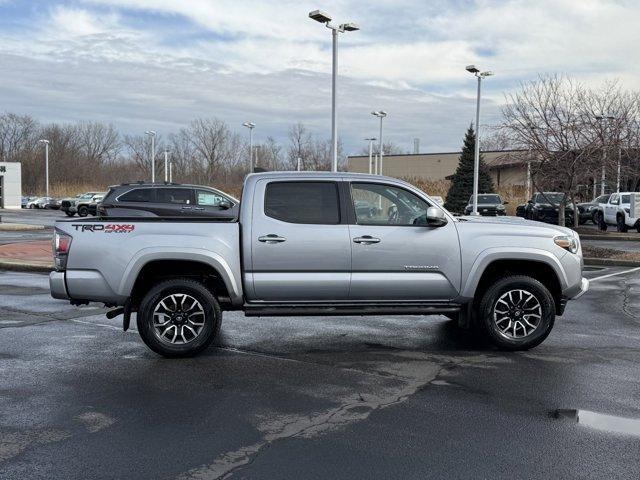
x: 27, y: 256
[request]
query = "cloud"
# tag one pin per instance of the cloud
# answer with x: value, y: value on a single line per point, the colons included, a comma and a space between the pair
x: 160, y: 63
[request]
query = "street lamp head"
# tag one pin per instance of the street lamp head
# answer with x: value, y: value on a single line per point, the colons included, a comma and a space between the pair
x: 46, y: 142
x: 319, y: 16
x: 249, y: 124
x: 486, y: 74
x: 372, y: 139
x: 379, y: 113
x: 472, y: 69
x: 150, y: 132
x: 349, y: 27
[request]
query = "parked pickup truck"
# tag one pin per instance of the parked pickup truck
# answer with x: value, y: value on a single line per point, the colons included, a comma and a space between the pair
x: 622, y: 210
x: 300, y: 247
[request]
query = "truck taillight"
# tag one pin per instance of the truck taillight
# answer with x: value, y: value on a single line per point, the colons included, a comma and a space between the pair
x: 61, y: 246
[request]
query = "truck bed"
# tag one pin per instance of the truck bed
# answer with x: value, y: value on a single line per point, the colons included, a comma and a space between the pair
x: 107, y: 254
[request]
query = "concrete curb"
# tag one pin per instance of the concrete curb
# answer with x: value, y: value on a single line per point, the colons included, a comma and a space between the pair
x: 606, y: 238
x: 22, y: 266
x: 13, y: 227
x: 611, y: 262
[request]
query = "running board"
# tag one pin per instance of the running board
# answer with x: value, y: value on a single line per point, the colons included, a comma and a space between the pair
x: 309, y: 309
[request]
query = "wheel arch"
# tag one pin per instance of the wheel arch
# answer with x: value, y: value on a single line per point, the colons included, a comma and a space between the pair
x: 150, y: 265
x: 541, y: 265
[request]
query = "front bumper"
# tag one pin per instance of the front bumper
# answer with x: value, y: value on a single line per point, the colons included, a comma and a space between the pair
x: 577, y: 290
x: 58, y: 286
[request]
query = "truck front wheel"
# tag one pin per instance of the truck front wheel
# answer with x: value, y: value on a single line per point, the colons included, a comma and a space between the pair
x: 622, y: 226
x: 179, y: 318
x: 517, y: 313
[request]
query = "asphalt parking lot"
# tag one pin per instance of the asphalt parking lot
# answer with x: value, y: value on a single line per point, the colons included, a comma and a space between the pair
x: 32, y: 217
x: 352, y: 397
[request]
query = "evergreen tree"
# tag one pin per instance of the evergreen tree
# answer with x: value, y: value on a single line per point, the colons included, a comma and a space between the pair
x: 462, y: 183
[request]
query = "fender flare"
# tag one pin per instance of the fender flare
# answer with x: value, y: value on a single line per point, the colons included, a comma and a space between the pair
x: 146, y: 255
x: 490, y: 255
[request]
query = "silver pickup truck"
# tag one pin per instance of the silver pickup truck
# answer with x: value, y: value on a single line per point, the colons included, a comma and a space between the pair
x: 317, y: 243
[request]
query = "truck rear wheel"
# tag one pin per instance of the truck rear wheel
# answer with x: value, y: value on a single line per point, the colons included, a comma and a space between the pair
x: 179, y: 318
x: 83, y: 211
x: 516, y: 313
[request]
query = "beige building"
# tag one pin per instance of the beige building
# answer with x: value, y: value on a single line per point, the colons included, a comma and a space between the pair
x: 508, y: 168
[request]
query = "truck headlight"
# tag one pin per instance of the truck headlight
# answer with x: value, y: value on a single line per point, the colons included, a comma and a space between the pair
x: 568, y: 242
x: 500, y: 207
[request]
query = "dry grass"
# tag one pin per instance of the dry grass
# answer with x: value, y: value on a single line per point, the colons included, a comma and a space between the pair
x: 589, y: 251
x: 515, y: 195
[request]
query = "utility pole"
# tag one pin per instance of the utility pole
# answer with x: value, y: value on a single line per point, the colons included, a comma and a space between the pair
x: 46, y: 165
x: 166, y: 165
x: 152, y: 134
x: 322, y: 17
x: 476, y: 159
x: 370, y: 140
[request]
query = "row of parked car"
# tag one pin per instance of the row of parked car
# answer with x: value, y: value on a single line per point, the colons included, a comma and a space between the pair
x: 143, y: 200
x: 621, y: 210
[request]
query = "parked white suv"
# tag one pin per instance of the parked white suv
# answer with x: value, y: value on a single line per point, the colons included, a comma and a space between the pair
x: 622, y: 210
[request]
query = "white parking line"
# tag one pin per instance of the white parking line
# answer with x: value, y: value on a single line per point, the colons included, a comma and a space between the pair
x: 614, y: 274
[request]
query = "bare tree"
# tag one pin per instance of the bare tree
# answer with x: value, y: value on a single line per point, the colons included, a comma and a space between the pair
x: 18, y: 136
x: 269, y: 155
x: 550, y: 118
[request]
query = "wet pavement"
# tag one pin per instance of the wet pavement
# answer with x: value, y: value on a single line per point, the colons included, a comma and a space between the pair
x: 351, y: 397
x: 32, y: 216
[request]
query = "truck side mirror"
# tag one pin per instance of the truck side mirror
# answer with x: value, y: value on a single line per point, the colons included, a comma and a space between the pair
x: 435, y: 217
x: 224, y: 205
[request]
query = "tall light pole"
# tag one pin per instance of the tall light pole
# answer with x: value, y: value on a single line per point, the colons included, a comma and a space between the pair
x: 380, y: 114
x: 370, y: 140
x: 476, y: 160
x: 46, y: 163
x: 171, y: 171
x: 152, y: 134
x: 604, y: 121
x: 166, y: 165
x: 322, y: 17
x: 250, y: 126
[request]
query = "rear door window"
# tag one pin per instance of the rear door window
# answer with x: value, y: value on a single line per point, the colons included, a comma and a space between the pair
x: 303, y: 202
x: 176, y: 196
x: 136, y: 195
x: 206, y: 198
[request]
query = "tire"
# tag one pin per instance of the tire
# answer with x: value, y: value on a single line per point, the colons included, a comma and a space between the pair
x: 622, y: 227
x: 83, y: 211
x: 69, y: 214
x: 538, y: 301
x: 594, y: 218
x: 32, y: 206
x: 602, y: 225
x: 178, y: 288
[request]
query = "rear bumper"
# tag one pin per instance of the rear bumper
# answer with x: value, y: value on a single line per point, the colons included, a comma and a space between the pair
x: 58, y: 286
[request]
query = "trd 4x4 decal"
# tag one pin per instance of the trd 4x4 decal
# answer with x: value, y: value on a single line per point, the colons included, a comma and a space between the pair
x: 109, y: 228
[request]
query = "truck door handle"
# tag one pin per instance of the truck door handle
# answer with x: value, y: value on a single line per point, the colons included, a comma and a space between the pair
x: 366, y: 239
x: 185, y: 208
x: 271, y: 238
x: 198, y: 208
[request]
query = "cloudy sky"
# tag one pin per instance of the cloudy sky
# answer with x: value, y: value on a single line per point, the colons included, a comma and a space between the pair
x: 142, y: 64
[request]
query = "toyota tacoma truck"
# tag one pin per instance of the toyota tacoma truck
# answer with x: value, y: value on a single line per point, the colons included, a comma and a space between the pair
x: 302, y: 247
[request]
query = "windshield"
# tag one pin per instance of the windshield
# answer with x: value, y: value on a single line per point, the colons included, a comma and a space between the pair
x: 549, y: 197
x: 486, y: 199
